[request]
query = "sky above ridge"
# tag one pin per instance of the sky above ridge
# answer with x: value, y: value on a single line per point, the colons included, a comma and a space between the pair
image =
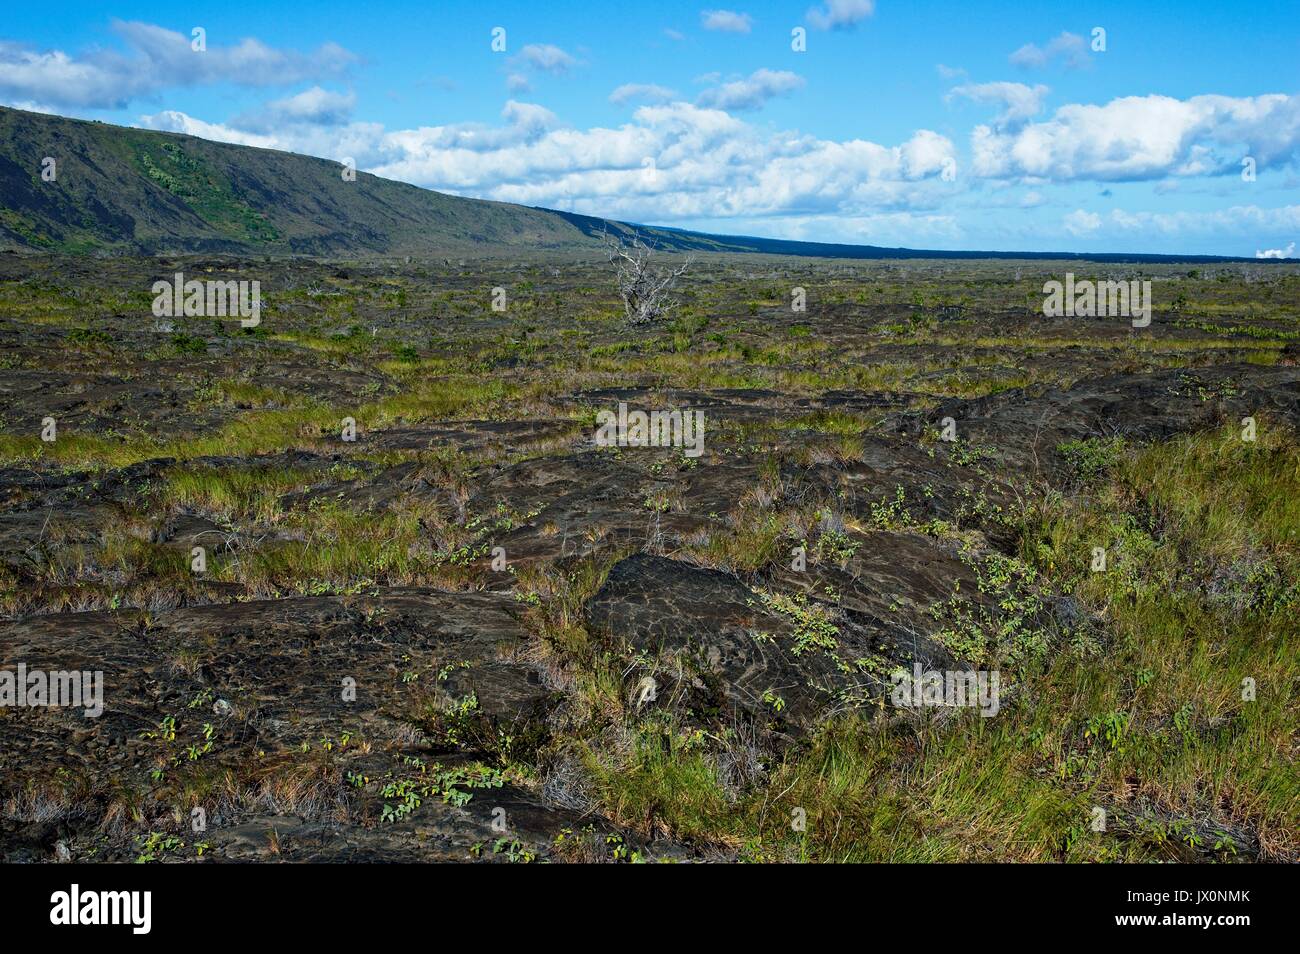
x: 1153, y: 126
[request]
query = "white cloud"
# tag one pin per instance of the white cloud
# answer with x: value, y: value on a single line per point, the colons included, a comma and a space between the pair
x: 1071, y: 48
x: 646, y: 92
x: 158, y: 59
x: 1143, y: 137
x: 726, y: 21
x: 707, y: 165
x: 31, y: 107
x: 529, y: 115
x: 1019, y: 102
x: 547, y: 58
x: 1080, y: 222
x: 840, y: 14
x: 316, y: 106
x: 924, y: 154
x: 751, y: 92
x: 172, y: 121
x: 518, y: 83
x: 1288, y: 252
x: 1237, y: 220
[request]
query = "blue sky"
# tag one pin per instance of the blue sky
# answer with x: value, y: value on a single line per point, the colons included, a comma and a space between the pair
x: 926, y: 123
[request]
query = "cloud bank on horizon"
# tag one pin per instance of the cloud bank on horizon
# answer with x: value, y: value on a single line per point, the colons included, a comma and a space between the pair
x: 843, y: 121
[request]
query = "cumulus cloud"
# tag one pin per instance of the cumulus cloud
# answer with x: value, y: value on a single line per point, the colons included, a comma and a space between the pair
x: 840, y: 14
x: 352, y: 140
x: 546, y: 58
x: 1143, y: 137
x: 1069, y: 48
x: 1080, y: 222
x: 752, y: 91
x: 316, y: 106
x: 726, y: 21
x: 1019, y: 102
x: 706, y: 165
x: 156, y: 59
x: 1288, y: 252
x: 646, y: 92
x: 171, y: 120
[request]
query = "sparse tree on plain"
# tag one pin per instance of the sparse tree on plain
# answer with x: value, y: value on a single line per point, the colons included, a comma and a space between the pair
x: 645, y: 290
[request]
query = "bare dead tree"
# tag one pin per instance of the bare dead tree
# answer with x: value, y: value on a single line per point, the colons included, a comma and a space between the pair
x: 645, y: 290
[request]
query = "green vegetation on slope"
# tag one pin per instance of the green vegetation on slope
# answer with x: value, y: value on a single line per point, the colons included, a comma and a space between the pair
x: 190, y: 179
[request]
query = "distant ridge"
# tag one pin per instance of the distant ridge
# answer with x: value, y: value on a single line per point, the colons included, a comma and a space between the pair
x: 119, y: 190
x: 686, y: 240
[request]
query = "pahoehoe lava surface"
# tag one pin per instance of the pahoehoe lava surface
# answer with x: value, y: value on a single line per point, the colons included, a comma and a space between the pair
x: 472, y: 611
